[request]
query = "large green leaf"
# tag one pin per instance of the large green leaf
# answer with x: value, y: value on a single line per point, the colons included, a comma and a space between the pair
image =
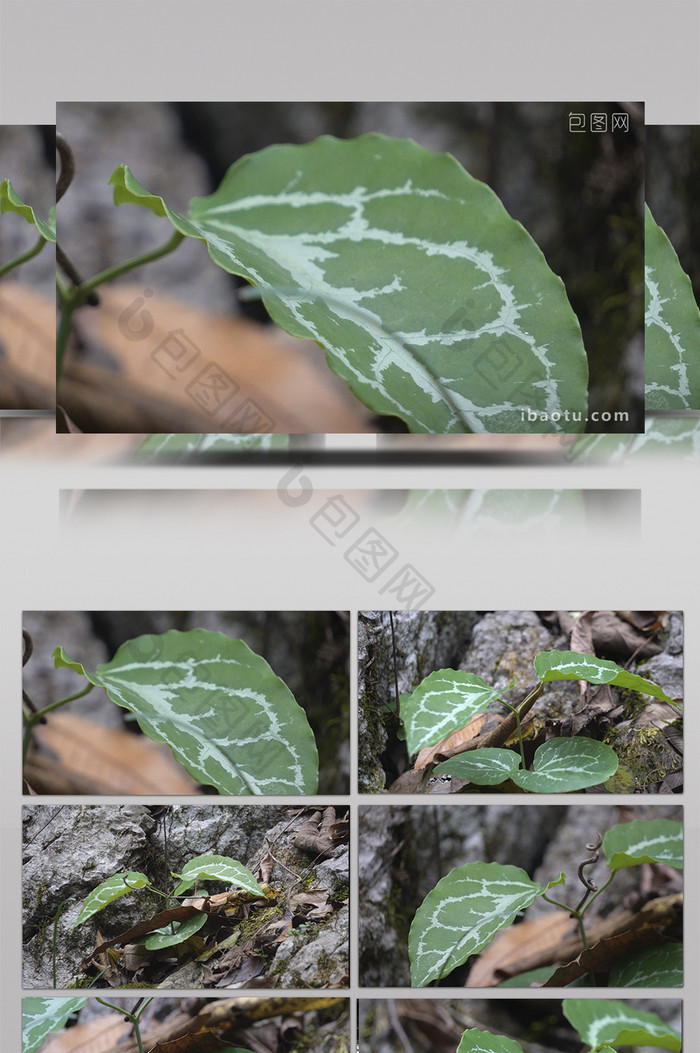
x: 10, y: 201
x: 107, y: 891
x: 572, y: 665
x: 476, y: 1041
x: 644, y: 841
x: 41, y: 1016
x: 441, y: 703
x: 428, y: 298
x: 672, y: 321
x: 463, y: 913
x: 565, y: 765
x: 229, y: 720
x: 218, y: 868
x: 599, y: 1021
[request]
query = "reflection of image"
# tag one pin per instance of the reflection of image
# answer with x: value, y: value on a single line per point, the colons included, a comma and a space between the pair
x: 376, y: 285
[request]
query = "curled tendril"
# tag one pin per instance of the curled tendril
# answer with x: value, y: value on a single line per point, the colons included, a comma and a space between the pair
x: 28, y: 647
x: 65, y: 178
x: 589, y: 885
x: 67, y: 166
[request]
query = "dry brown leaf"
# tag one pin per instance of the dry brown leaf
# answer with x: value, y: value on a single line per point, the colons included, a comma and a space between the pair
x: 318, y: 899
x: 470, y: 730
x: 99, y: 1036
x: 503, y: 955
x: 27, y: 335
x: 266, y: 375
x: 90, y: 758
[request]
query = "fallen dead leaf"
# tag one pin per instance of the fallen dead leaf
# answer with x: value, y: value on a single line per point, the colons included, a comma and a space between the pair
x: 213, y: 373
x: 83, y: 757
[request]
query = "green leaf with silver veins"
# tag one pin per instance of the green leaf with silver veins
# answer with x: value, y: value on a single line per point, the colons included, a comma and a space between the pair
x: 407, y: 271
x: 229, y: 720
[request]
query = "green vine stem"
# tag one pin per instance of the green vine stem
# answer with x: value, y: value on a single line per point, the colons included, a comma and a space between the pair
x: 31, y: 719
x: 34, y: 251
x: 133, y: 1016
x: 71, y: 299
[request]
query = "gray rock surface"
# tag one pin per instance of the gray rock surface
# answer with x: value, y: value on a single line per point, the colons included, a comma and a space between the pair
x: 70, y: 849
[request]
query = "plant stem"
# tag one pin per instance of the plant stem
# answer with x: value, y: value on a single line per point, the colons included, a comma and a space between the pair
x: 34, y: 251
x: 32, y: 719
x: 523, y: 708
x: 71, y: 299
x: 132, y: 1017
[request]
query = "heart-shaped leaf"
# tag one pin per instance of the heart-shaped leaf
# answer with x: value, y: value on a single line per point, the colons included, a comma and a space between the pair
x: 428, y: 298
x: 183, y: 930
x: 107, y: 891
x: 599, y: 1022
x: 463, y: 913
x: 672, y: 326
x: 644, y: 841
x: 476, y: 1041
x: 219, y: 868
x: 229, y: 720
x: 564, y: 765
x: 486, y: 766
x: 572, y: 665
x: 41, y: 1016
x: 650, y: 967
x: 10, y: 201
x: 444, y: 701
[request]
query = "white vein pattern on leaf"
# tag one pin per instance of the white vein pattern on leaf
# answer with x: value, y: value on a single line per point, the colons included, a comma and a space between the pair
x: 304, y: 250
x: 199, y: 750
x: 654, y: 316
x: 502, y: 908
x: 52, y: 1010
x: 581, y: 663
x: 469, y: 700
x: 641, y: 846
x: 596, y: 1029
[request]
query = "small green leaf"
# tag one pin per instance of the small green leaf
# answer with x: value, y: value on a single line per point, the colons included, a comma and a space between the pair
x: 599, y: 1021
x: 107, y: 891
x: 164, y: 938
x: 446, y: 700
x: 486, y: 766
x: 564, y: 765
x: 219, y: 868
x: 672, y: 326
x: 407, y: 271
x: 10, y: 201
x: 571, y: 665
x: 41, y: 1016
x: 476, y: 1041
x: 229, y: 720
x: 644, y: 841
x: 462, y: 914
x: 651, y: 967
